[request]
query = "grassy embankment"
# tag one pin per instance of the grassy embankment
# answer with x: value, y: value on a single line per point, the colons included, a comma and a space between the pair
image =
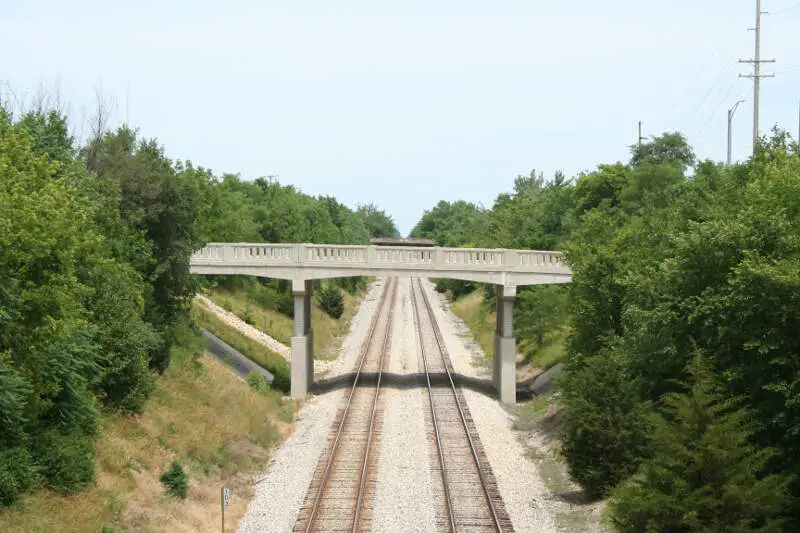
x: 481, y: 320
x: 213, y: 422
x: 328, y: 331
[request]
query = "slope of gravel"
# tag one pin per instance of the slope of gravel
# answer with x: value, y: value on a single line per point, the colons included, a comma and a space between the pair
x: 245, y: 328
x: 530, y: 502
x: 404, y: 499
x: 279, y: 492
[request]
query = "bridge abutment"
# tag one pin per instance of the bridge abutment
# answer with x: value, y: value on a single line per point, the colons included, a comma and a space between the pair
x: 302, y: 367
x: 504, y: 359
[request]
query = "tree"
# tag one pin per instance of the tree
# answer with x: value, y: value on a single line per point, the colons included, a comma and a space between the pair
x: 606, y: 426
x: 670, y: 148
x: 159, y: 200
x: 331, y: 301
x: 705, y: 474
x: 48, y: 358
x: 378, y: 223
x: 451, y: 224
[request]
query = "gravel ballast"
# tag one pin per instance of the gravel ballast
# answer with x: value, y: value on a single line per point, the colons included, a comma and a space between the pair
x: 280, y: 491
x: 517, y: 458
x: 405, y: 494
x: 404, y: 499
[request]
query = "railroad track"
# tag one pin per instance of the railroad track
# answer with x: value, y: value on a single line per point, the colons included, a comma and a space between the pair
x: 339, y: 498
x: 471, y: 500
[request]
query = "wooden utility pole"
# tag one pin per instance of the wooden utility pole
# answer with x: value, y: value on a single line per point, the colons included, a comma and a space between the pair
x: 640, y: 134
x: 756, y: 76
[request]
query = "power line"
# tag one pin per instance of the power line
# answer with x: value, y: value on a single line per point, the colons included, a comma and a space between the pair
x: 723, y: 73
x: 781, y: 11
x: 714, y: 112
x: 781, y: 21
x: 723, y: 47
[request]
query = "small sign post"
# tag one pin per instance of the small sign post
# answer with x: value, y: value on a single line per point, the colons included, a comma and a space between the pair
x: 224, y: 502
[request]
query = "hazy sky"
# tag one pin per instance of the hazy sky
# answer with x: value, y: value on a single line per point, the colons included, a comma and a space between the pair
x: 404, y: 103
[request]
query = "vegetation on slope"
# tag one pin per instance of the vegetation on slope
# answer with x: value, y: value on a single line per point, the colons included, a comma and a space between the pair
x: 253, y: 302
x: 666, y: 265
x: 95, y: 286
x: 214, y: 424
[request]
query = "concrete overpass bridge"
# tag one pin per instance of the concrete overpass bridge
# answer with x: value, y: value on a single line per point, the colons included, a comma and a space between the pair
x: 303, y: 263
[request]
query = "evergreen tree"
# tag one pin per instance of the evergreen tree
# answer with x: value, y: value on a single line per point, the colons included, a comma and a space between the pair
x: 606, y: 424
x: 705, y: 474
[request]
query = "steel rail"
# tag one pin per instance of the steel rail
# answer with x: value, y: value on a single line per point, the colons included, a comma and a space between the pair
x: 448, y: 499
x: 442, y: 350
x: 391, y: 287
x: 372, y: 417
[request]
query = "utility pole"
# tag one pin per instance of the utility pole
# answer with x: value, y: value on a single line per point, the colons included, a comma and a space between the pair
x: 640, y: 134
x: 756, y: 76
x: 731, y: 111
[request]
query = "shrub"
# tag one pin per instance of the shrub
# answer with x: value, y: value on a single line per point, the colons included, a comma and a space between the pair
x: 456, y: 287
x: 331, y: 301
x: 17, y: 474
x: 284, y: 303
x: 176, y: 481
x: 606, y: 425
x: 354, y: 284
x: 247, y: 315
x: 257, y: 382
x: 66, y: 462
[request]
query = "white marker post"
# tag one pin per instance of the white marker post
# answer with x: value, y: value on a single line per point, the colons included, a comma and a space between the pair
x: 224, y: 502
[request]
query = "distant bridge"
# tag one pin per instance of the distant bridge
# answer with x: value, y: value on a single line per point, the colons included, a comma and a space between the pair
x: 303, y: 263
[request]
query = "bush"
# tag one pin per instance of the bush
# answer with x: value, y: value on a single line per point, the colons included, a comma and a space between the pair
x: 176, y: 481
x: 354, y: 284
x: 17, y: 474
x: 66, y: 462
x: 606, y: 425
x: 331, y: 301
x: 247, y: 315
x: 257, y: 382
x: 284, y: 303
x: 456, y: 287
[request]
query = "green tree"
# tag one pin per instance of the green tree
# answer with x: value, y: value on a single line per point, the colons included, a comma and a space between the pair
x: 331, y: 301
x: 378, y: 223
x: 159, y: 199
x: 705, y: 474
x: 451, y: 224
x: 48, y: 358
x: 606, y: 426
x: 670, y: 148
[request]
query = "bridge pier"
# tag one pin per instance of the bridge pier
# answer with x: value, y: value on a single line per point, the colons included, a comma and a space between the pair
x: 303, y: 340
x: 504, y: 359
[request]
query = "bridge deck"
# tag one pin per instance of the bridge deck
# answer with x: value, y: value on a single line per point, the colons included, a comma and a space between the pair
x: 315, y: 261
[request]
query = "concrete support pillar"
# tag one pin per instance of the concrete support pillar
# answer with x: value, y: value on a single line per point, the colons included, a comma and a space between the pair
x: 498, y: 307
x: 504, y: 364
x: 303, y: 339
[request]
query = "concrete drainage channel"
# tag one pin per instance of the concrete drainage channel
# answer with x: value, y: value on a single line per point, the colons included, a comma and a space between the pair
x: 234, y: 359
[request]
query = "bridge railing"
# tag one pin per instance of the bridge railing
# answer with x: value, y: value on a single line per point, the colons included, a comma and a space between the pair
x: 322, y: 255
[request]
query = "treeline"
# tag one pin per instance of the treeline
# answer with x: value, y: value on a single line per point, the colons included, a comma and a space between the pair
x: 682, y: 389
x: 95, y: 286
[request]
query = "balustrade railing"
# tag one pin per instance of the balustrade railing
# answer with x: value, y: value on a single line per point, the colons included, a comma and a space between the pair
x: 380, y: 256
